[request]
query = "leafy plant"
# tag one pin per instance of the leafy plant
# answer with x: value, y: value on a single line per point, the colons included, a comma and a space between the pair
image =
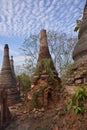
x: 45, y: 64
x: 76, y: 101
x: 70, y: 103
x: 78, y: 109
x: 24, y: 79
x: 71, y: 68
x: 34, y: 97
x: 81, y: 93
x: 78, y: 25
x: 38, y: 93
x: 42, y: 87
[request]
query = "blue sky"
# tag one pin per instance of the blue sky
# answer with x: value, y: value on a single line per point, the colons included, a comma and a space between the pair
x: 19, y: 18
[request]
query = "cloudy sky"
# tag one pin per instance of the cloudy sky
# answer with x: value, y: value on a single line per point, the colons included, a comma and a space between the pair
x: 20, y: 18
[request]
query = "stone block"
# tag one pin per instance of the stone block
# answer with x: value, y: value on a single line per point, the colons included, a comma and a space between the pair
x: 79, y: 81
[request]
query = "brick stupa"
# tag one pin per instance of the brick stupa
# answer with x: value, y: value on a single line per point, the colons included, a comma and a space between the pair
x: 7, y: 78
x: 80, y: 50
x: 45, y: 86
x: 77, y: 75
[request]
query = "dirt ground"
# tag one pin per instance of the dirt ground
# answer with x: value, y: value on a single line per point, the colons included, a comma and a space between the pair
x: 56, y: 118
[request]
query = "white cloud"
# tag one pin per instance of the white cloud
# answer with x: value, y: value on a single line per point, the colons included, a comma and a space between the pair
x: 24, y: 17
x: 19, y: 59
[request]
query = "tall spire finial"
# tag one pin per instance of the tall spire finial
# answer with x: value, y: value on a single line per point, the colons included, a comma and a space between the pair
x: 44, y: 50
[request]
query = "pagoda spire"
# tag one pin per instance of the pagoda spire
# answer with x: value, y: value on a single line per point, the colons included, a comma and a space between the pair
x: 6, y: 63
x: 12, y: 65
x: 7, y: 80
x: 44, y: 51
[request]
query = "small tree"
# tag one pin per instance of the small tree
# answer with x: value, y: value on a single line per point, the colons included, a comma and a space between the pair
x: 60, y: 46
x: 25, y: 81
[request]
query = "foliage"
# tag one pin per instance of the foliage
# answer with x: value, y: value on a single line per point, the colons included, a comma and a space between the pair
x: 42, y: 87
x: 71, y: 68
x: 85, y: 72
x: 63, y: 80
x: 60, y: 46
x: 25, y: 81
x: 45, y: 64
x: 76, y: 101
x: 30, y: 49
x: 58, y: 89
x: 34, y: 97
x: 78, y: 25
x: 38, y: 93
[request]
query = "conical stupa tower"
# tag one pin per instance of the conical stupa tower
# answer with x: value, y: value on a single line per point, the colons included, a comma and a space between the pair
x: 80, y: 50
x: 44, y: 50
x: 12, y: 67
x: 7, y: 80
x: 44, y: 56
x: 46, y: 77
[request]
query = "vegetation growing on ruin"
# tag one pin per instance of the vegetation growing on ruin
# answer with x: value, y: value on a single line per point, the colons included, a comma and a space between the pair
x: 78, y: 25
x: 45, y: 64
x: 71, y: 68
x: 76, y: 101
x: 38, y: 93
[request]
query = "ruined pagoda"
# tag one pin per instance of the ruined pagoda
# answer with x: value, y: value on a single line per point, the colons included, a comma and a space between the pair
x: 80, y: 50
x: 78, y: 72
x: 7, y: 78
x: 45, y: 84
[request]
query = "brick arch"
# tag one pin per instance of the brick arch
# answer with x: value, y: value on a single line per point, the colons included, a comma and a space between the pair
x: 48, y: 97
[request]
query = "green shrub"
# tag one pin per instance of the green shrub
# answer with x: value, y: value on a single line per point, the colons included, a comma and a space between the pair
x: 42, y: 87
x: 38, y: 93
x: 34, y: 97
x: 45, y: 64
x: 78, y: 25
x: 76, y: 101
x: 71, y: 68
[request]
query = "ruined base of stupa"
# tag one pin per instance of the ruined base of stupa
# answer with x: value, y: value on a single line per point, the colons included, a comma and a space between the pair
x: 45, y: 91
x: 76, y: 76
